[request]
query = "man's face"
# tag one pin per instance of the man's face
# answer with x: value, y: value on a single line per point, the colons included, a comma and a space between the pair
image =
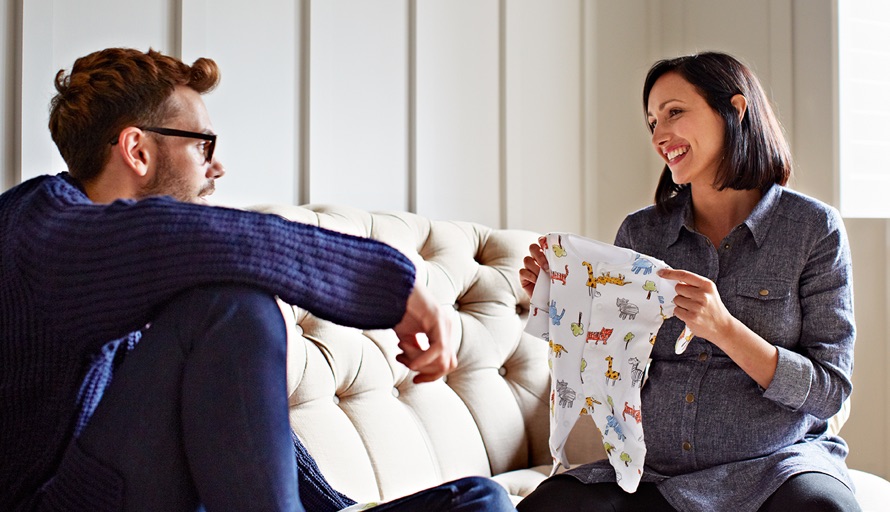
x: 179, y: 169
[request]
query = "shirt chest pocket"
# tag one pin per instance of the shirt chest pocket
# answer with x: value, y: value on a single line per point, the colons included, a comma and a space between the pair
x: 768, y: 306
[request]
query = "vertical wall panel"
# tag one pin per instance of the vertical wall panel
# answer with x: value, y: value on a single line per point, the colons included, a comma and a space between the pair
x: 590, y: 48
x: 458, y: 133
x: 780, y: 87
x: 625, y: 161
x: 511, y: 116
x: 544, y: 114
x: 37, y: 153
x: 866, y: 432
x: 9, y: 122
x: 254, y: 108
x: 814, y: 140
x: 358, y: 103
x: 54, y: 34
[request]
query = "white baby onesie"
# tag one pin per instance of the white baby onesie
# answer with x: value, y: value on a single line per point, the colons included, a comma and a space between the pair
x: 600, y: 311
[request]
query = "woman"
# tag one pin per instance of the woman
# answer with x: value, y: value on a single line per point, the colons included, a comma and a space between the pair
x: 739, y: 420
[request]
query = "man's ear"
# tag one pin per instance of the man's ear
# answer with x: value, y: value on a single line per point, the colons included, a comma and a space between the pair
x: 741, y: 105
x: 134, y: 150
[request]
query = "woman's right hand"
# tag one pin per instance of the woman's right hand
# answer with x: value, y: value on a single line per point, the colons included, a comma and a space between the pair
x: 533, y: 264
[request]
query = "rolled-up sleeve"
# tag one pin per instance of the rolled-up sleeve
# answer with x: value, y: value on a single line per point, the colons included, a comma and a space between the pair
x: 814, y: 377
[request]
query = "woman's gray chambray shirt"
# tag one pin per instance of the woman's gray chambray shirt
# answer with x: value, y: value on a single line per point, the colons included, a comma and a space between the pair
x: 715, y: 439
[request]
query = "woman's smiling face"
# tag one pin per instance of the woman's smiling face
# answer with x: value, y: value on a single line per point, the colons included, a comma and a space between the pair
x: 686, y: 132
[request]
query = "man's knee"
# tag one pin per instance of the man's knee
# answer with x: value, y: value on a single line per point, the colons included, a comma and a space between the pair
x: 225, y: 296
x: 228, y: 314
x: 475, y: 488
x: 478, y: 484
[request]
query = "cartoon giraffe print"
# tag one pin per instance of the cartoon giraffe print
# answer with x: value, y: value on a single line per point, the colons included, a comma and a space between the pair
x: 591, y: 280
x: 557, y: 349
x: 604, y: 278
x: 612, y: 376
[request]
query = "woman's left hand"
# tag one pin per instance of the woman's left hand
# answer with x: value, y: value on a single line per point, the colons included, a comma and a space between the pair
x: 698, y: 304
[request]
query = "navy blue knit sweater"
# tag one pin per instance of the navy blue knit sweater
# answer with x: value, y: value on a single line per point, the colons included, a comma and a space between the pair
x: 74, y: 274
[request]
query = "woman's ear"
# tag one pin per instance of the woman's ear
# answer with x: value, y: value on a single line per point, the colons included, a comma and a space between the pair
x: 741, y: 105
x: 134, y: 150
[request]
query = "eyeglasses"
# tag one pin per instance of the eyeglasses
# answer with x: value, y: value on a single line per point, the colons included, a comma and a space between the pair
x: 209, y: 137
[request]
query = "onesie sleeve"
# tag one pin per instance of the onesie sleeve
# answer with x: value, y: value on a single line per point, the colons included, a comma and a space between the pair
x: 815, y: 376
x: 538, y: 324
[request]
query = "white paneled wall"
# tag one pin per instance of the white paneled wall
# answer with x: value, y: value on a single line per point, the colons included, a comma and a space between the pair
x: 457, y: 158
x: 513, y: 113
x: 625, y: 166
x: 254, y: 109
x: 53, y: 34
x: 544, y: 115
x: 358, y: 89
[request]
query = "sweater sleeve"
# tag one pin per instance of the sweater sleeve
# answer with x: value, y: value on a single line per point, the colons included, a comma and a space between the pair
x: 104, y: 269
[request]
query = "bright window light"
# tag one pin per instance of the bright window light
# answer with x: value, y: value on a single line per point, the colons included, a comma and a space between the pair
x: 864, y: 107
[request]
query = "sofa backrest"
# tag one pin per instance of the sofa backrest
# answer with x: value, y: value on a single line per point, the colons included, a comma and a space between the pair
x: 377, y: 435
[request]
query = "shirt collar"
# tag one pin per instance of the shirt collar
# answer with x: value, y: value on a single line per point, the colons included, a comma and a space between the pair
x: 680, y: 216
x: 758, y: 222
x: 761, y: 218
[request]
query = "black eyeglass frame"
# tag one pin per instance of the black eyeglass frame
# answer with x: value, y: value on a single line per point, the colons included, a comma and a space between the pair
x: 172, y: 132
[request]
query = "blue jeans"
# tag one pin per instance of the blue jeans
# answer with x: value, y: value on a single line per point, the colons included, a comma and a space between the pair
x: 196, y: 415
x: 471, y: 494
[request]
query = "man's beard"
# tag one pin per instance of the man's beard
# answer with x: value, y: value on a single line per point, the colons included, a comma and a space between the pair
x: 168, y: 182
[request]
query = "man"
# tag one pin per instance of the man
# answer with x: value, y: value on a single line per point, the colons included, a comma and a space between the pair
x: 196, y: 413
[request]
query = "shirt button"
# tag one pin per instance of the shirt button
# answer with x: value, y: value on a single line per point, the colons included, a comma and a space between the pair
x: 764, y: 293
x: 726, y: 246
x: 690, y: 398
x: 703, y: 356
x: 687, y: 446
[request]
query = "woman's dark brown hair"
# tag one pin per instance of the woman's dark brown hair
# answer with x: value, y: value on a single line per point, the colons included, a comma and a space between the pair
x: 109, y: 90
x: 756, y: 154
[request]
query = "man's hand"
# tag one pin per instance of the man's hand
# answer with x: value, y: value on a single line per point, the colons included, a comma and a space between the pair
x: 534, y: 263
x: 424, y: 316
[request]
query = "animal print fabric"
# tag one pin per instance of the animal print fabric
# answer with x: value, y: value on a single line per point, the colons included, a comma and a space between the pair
x: 599, y: 311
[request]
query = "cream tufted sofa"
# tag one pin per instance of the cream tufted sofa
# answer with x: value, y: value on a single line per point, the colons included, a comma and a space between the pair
x: 375, y: 434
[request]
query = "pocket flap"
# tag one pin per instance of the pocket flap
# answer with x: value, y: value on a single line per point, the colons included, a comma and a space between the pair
x: 764, y: 289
